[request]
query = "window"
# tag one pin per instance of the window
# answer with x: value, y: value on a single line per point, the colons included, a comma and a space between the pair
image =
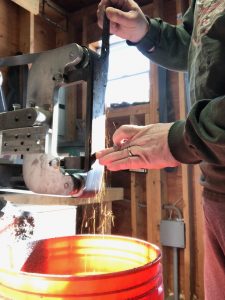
x: 128, y: 75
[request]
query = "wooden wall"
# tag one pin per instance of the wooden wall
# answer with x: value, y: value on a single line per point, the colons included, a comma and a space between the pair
x: 140, y: 212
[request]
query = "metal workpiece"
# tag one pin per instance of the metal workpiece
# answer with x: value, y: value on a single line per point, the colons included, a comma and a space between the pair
x: 3, y: 106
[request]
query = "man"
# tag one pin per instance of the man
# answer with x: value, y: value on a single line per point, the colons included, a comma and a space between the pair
x: 196, y: 46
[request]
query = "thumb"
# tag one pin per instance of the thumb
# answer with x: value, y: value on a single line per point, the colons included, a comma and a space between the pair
x: 125, y: 133
x: 118, y: 16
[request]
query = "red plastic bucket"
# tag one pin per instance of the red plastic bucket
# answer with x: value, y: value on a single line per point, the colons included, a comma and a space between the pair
x: 86, y: 267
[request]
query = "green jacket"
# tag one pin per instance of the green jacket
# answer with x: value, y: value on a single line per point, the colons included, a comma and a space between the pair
x: 196, y: 46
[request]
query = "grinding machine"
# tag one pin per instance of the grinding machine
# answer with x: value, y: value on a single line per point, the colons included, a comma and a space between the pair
x: 48, y: 146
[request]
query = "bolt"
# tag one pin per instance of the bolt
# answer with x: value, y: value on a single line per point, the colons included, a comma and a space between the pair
x: 55, y: 163
x: 66, y: 185
x: 31, y: 104
x: 72, y: 55
x: 16, y: 106
x: 58, y: 77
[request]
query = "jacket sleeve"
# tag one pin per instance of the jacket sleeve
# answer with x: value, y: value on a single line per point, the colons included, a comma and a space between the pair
x: 166, y: 44
x: 202, y: 136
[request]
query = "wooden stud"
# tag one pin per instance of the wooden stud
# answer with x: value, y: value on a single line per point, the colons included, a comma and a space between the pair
x: 199, y: 231
x: 9, y: 20
x: 153, y: 186
x: 154, y: 177
x: 26, y: 32
x: 186, y: 190
x: 133, y: 194
x: 156, y: 182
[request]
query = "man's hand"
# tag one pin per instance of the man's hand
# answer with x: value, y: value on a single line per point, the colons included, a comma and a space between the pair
x: 139, y: 147
x: 127, y: 20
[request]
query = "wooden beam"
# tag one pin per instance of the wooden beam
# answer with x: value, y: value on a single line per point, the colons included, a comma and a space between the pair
x: 111, y: 194
x: 127, y: 111
x: 31, y: 5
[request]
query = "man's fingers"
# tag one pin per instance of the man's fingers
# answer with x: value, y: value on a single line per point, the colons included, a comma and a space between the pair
x: 125, y: 164
x: 104, y: 152
x: 103, y: 5
x: 122, y: 159
x: 113, y: 153
x: 125, y: 133
x: 101, y: 11
x: 109, y: 155
x: 118, y: 16
x: 118, y: 3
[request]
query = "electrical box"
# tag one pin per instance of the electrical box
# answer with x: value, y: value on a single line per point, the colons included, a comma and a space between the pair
x: 172, y: 233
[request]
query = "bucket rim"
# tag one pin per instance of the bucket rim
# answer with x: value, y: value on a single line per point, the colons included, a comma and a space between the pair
x: 68, y: 277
